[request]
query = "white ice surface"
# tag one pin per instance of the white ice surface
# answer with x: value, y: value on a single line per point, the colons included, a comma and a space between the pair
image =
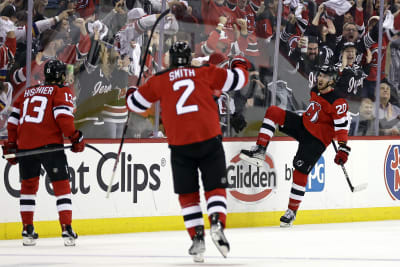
x: 349, y: 244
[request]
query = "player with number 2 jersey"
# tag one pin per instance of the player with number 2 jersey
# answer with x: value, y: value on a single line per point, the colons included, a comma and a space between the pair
x: 190, y: 117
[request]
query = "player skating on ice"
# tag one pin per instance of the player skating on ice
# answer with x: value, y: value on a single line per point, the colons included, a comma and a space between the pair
x: 41, y: 117
x: 326, y: 118
x: 191, y: 121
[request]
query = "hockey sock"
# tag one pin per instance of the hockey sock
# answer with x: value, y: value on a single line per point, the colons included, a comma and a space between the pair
x: 27, y: 202
x: 273, y: 115
x: 216, y: 202
x: 62, y: 191
x: 298, y: 190
x: 191, y: 211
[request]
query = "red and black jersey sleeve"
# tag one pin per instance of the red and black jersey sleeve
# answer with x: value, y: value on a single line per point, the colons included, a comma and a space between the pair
x: 340, y: 118
x: 63, y: 107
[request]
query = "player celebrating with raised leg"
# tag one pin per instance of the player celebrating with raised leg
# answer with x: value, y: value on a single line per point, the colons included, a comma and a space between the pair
x: 41, y: 117
x: 326, y: 118
x: 190, y: 118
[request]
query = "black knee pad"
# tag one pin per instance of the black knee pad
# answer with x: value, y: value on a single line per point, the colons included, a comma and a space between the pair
x: 302, y: 165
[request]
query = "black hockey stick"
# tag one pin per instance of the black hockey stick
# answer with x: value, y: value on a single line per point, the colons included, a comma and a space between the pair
x: 44, y: 150
x: 352, y: 188
x: 162, y: 15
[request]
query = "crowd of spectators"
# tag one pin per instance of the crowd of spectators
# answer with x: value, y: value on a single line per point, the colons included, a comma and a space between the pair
x: 103, y: 41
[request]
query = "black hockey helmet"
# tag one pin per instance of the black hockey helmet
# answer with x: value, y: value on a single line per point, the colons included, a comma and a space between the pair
x: 54, y: 70
x: 180, y: 54
x: 328, y: 70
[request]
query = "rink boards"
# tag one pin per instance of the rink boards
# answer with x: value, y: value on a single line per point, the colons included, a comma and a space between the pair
x: 143, y: 198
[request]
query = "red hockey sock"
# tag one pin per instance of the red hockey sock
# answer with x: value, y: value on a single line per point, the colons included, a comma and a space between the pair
x: 216, y: 202
x: 298, y: 190
x: 27, y: 201
x: 62, y: 191
x: 191, y: 211
x: 273, y: 115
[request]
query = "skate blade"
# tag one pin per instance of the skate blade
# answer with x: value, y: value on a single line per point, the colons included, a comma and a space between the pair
x: 69, y: 241
x: 28, y: 241
x: 223, y: 249
x: 254, y: 161
x: 199, y: 257
x: 286, y: 225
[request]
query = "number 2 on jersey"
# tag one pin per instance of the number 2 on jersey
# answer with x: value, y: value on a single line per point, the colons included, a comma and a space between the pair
x: 180, y: 105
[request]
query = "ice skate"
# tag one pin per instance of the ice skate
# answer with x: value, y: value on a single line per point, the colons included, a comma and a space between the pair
x: 255, y: 156
x: 288, y: 218
x: 217, y: 235
x: 198, y: 247
x: 69, y: 236
x: 29, y: 236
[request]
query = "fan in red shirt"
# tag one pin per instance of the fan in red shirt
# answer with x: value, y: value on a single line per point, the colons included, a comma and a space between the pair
x: 41, y: 117
x: 190, y: 118
x: 326, y: 118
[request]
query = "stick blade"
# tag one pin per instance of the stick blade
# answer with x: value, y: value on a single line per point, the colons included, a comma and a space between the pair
x: 360, y: 187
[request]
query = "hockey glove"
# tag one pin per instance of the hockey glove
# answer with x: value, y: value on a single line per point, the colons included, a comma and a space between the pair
x: 78, y: 144
x: 238, y: 122
x: 342, y: 154
x: 240, y: 62
x: 10, y: 148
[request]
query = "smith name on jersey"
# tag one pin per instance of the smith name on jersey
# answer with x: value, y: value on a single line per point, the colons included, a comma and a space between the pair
x: 187, y: 95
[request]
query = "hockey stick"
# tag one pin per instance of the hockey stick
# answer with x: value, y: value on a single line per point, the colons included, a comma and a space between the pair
x: 162, y: 15
x: 44, y: 150
x: 352, y: 188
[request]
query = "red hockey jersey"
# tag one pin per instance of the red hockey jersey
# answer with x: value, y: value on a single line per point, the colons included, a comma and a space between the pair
x: 188, y: 109
x: 326, y: 117
x: 40, y: 116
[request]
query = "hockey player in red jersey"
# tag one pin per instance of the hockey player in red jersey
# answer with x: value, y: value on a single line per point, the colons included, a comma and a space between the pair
x: 326, y: 118
x: 190, y: 118
x: 41, y: 117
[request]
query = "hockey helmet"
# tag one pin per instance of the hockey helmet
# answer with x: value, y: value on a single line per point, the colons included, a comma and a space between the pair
x: 180, y: 54
x: 54, y: 71
x: 328, y: 70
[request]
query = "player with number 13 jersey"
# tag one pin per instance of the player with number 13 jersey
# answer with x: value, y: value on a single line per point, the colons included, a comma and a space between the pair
x: 42, y: 111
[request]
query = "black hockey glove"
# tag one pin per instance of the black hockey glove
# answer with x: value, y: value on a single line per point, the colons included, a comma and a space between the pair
x: 238, y: 122
x: 10, y: 148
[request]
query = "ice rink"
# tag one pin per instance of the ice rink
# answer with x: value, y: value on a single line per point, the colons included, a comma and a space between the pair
x: 347, y: 244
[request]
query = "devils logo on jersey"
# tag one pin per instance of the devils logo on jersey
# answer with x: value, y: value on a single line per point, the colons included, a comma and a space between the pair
x: 312, y: 111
